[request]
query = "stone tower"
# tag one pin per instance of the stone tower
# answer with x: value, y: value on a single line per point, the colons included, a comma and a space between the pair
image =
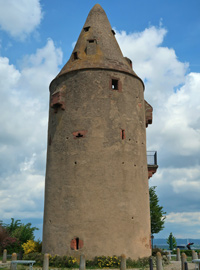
x: 96, y: 190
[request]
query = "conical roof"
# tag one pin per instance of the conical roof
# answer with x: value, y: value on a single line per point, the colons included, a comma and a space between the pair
x: 97, y: 47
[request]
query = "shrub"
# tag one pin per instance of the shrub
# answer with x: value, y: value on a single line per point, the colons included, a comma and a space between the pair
x: 36, y: 256
x: 65, y: 261
x: 54, y: 261
x: 29, y: 247
x: 155, y: 250
x: 140, y: 263
x: 104, y: 262
x: 189, y: 252
x: 97, y: 262
x: 32, y: 246
x: 11, y: 244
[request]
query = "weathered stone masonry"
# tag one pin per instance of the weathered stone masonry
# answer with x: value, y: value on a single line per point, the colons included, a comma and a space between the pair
x: 96, y: 189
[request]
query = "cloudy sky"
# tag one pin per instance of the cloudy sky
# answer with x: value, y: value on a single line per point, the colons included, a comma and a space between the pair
x: 161, y: 37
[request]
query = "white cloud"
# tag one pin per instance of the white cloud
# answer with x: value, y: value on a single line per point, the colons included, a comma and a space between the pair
x: 176, y: 118
x: 175, y: 132
x: 20, y: 18
x: 155, y: 64
x: 184, y: 218
x: 23, y: 133
x: 25, y: 196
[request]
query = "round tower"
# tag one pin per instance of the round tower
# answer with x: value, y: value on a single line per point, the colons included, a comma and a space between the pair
x: 96, y: 189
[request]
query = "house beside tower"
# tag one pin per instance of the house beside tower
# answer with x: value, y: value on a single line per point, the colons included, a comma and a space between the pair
x: 96, y: 187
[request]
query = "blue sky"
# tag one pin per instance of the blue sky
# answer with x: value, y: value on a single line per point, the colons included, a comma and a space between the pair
x: 161, y: 37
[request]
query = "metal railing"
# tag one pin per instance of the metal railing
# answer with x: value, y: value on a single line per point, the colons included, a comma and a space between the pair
x: 152, y: 158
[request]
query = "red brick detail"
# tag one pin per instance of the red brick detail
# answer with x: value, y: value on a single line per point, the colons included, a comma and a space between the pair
x: 140, y: 105
x: 80, y: 243
x: 150, y: 174
x: 73, y: 244
x: 58, y: 99
x: 76, y: 244
x: 148, y: 113
x: 123, y: 135
x: 151, y: 170
x: 79, y: 134
x: 129, y: 61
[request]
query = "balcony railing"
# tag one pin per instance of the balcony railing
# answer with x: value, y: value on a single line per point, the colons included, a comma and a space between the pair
x: 152, y: 158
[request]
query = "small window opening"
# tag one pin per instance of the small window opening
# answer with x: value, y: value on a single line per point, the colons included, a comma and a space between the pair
x: 91, y: 40
x: 86, y: 29
x: 113, y: 32
x: 77, y: 243
x: 79, y: 135
x: 123, y: 134
x: 115, y: 84
x: 75, y: 54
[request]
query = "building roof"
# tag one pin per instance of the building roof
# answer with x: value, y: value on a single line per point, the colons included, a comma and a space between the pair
x: 97, y: 47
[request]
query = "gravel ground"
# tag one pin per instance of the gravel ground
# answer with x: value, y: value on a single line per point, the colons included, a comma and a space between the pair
x: 174, y: 265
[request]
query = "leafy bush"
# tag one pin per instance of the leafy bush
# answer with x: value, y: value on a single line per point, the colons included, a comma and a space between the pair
x: 29, y: 247
x: 140, y: 263
x: 24, y: 232
x: 155, y: 250
x: 97, y: 262
x: 36, y: 256
x: 65, y: 261
x: 114, y: 262
x: 11, y: 244
x: 188, y: 252
x: 54, y: 261
x: 103, y: 261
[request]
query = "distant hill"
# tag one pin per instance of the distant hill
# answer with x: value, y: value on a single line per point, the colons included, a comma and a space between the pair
x: 179, y: 241
x: 163, y: 242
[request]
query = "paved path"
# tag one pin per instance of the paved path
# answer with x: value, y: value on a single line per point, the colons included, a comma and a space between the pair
x: 6, y: 265
x: 174, y: 265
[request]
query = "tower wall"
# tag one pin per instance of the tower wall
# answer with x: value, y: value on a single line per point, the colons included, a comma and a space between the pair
x: 96, y: 187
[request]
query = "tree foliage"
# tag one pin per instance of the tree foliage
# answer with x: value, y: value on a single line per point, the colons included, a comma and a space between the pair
x: 171, y: 240
x: 13, y: 235
x: 12, y: 226
x: 156, y: 212
x: 24, y: 232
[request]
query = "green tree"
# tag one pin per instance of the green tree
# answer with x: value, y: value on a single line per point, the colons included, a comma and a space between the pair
x: 156, y: 212
x: 12, y: 226
x: 171, y: 241
x: 24, y: 232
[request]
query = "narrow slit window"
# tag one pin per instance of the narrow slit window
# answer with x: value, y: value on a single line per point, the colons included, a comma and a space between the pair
x: 86, y: 29
x: 91, y: 40
x: 77, y: 243
x: 75, y: 54
x: 79, y: 135
x: 115, y: 85
x: 123, y: 134
x: 113, y: 32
